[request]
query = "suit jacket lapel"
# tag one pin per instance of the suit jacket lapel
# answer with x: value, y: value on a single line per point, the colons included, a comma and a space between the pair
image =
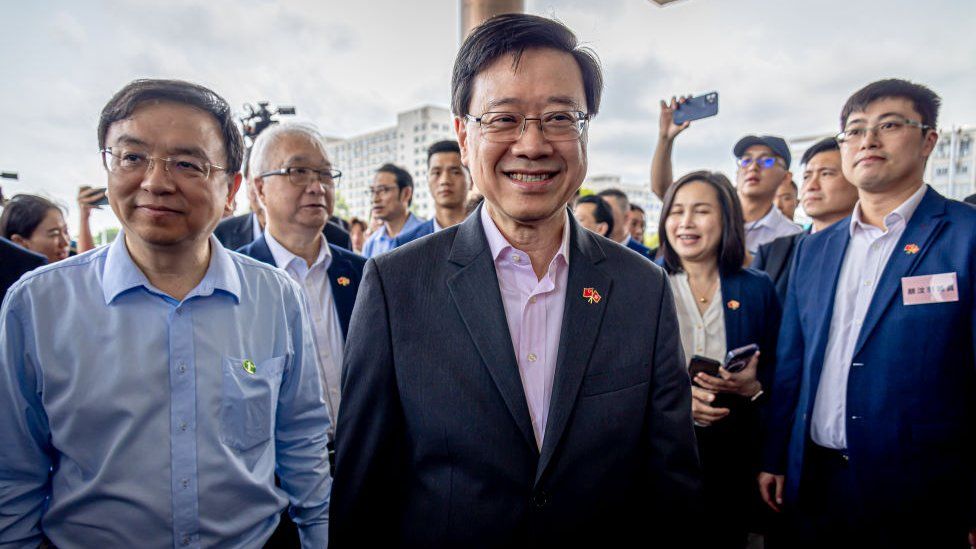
x: 261, y: 251
x: 732, y: 291
x: 829, y: 264
x: 780, y: 252
x: 474, y: 289
x: 344, y: 295
x: 581, y: 326
x: 921, y: 230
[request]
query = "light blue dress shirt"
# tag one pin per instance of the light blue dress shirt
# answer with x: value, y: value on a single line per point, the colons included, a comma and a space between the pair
x: 380, y: 242
x: 131, y: 419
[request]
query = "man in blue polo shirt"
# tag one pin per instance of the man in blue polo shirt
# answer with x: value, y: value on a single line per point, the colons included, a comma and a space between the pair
x: 150, y: 390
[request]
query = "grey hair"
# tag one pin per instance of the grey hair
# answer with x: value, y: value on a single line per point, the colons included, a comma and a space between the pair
x: 270, y: 136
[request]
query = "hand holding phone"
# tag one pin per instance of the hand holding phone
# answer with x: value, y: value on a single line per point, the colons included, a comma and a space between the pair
x: 696, y: 108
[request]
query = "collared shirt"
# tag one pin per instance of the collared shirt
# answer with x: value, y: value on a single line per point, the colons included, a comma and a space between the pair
x: 437, y: 226
x: 534, y: 310
x: 129, y: 418
x: 768, y: 228
x: 701, y: 334
x: 380, y: 242
x: 864, y: 261
x: 327, y: 330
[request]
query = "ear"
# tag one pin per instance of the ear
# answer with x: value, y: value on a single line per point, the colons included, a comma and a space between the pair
x: 601, y: 228
x: 258, y: 184
x: 788, y: 176
x: 928, y: 143
x: 406, y: 194
x: 232, y: 186
x: 461, y: 130
x: 19, y: 240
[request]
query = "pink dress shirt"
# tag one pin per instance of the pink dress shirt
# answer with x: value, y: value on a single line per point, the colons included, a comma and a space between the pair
x: 534, y: 310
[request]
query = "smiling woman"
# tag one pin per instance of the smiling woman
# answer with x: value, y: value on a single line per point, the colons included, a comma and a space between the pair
x: 36, y: 223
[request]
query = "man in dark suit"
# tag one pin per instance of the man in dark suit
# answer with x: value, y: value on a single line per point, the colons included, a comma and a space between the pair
x: 515, y: 380
x: 243, y: 229
x: 620, y: 205
x: 448, y: 185
x: 14, y: 262
x: 827, y: 198
x: 872, y: 415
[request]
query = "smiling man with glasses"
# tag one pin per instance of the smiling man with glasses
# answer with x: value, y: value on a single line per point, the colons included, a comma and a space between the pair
x: 871, y: 421
x: 516, y: 379
x: 151, y: 389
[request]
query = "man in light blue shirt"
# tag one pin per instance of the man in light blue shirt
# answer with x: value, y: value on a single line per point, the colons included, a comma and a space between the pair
x: 391, y: 196
x: 150, y: 390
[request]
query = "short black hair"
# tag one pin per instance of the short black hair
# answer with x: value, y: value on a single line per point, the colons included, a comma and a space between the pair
x: 137, y: 92
x: 613, y: 192
x: 636, y: 208
x: 512, y: 34
x: 601, y: 211
x: 23, y: 213
x: 446, y: 146
x: 824, y: 145
x: 925, y: 101
x: 403, y: 178
x: 732, y: 246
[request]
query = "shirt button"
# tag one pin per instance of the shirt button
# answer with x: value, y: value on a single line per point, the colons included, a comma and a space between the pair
x: 532, y: 357
x: 532, y: 299
x: 186, y: 540
x: 179, y: 311
x: 185, y: 482
x: 867, y: 282
x: 182, y: 367
x: 698, y: 350
x: 182, y: 426
x: 516, y: 258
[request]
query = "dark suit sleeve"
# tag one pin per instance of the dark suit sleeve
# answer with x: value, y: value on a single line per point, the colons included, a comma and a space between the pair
x: 787, y: 374
x: 675, y: 474
x: 759, y: 260
x: 370, y: 444
x: 772, y: 319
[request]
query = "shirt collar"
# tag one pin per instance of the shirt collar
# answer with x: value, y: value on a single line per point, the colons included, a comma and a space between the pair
x: 283, y: 258
x: 766, y: 220
x: 903, y: 212
x: 498, y: 243
x: 122, y: 274
x: 437, y: 226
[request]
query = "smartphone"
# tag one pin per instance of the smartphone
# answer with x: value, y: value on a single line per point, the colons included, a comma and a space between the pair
x: 697, y: 108
x: 738, y: 359
x: 700, y: 364
x: 102, y: 200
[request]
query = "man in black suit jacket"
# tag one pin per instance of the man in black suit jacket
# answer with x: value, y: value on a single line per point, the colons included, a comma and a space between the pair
x: 14, y: 262
x: 827, y: 198
x: 481, y: 412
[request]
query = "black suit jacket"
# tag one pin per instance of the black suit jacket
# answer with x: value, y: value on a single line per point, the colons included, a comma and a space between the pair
x: 774, y: 258
x: 238, y: 231
x: 345, y: 274
x: 14, y: 262
x: 435, y: 446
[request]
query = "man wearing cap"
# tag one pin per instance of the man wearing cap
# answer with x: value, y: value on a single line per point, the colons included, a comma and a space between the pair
x: 763, y: 165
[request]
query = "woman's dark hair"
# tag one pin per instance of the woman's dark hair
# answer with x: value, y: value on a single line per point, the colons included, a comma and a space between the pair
x: 731, y: 247
x: 23, y: 213
x: 137, y: 92
x: 512, y: 34
x: 601, y: 211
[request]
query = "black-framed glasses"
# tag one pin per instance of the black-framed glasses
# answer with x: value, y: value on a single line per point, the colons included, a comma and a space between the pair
x: 184, y: 167
x: 891, y: 126
x: 763, y: 162
x: 507, y: 127
x: 380, y: 190
x: 303, y: 177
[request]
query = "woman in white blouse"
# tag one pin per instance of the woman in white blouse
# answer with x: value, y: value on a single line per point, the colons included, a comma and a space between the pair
x: 721, y: 306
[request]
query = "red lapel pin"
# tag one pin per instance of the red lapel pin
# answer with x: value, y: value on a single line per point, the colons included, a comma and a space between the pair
x: 911, y: 249
x: 733, y: 304
x: 343, y: 281
x: 591, y: 295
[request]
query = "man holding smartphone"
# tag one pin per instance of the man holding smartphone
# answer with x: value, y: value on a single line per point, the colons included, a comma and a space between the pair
x: 763, y: 165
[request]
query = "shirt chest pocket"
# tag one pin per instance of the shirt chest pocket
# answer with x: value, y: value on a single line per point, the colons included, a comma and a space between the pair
x: 249, y: 397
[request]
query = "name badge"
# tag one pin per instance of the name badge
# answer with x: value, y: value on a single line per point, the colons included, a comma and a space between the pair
x: 937, y: 288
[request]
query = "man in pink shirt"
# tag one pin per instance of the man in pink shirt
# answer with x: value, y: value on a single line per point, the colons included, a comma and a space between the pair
x: 516, y: 379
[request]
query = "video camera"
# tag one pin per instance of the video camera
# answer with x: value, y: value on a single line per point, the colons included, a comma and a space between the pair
x: 256, y: 120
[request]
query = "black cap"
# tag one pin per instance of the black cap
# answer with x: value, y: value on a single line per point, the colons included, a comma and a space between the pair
x: 776, y: 144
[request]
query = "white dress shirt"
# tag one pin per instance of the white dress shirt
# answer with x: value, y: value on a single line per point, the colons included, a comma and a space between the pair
x: 701, y: 334
x: 865, y: 259
x: 768, y: 228
x: 326, y: 328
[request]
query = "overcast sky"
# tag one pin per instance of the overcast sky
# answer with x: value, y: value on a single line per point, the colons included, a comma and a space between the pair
x: 781, y: 66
